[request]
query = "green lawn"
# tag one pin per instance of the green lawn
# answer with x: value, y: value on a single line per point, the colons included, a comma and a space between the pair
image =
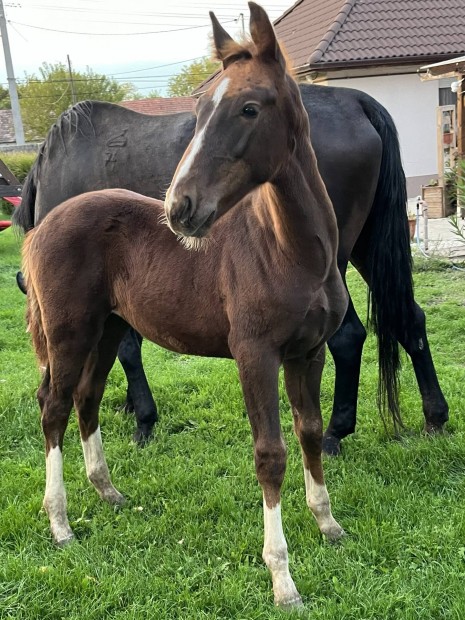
x: 188, y: 542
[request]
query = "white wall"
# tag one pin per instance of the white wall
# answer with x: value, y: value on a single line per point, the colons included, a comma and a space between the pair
x: 412, y: 104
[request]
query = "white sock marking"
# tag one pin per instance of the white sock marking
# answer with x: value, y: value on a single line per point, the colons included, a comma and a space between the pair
x: 319, y: 504
x: 97, y: 469
x: 276, y: 557
x: 93, y: 454
x: 55, y: 496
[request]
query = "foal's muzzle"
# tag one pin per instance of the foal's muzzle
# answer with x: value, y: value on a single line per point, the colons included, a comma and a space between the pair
x: 185, y: 218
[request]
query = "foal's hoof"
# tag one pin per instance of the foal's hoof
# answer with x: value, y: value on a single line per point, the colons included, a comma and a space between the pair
x: 291, y: 603
x: 333, y: 531
x: 113, y: 497
x: 288, y: 598
x: 331, y: 445
x: 62, y: 537
x: 64, y: 542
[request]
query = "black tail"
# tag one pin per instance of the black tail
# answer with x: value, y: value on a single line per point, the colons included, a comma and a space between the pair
x: 23, y: 216
x: 21, y: 282
x: 390, y: 260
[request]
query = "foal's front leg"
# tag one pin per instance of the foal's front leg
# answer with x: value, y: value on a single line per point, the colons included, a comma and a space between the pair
x: 259, y: 378
x: 303, y: 379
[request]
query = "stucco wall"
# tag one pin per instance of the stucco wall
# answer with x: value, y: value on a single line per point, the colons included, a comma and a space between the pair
x: 412, y: 104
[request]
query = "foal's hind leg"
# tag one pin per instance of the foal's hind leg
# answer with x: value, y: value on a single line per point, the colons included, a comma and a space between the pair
x: 87, y: 398
x: 303, y: 379
x: 55, y: 400
x: 139, y: 397
x: 346, y: 347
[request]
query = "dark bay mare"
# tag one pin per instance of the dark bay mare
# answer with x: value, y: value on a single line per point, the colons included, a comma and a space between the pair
x: 100, y: 145
x: 265, y: 290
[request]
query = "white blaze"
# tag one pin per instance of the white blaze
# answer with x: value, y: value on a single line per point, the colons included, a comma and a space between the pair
x: 197, y: 142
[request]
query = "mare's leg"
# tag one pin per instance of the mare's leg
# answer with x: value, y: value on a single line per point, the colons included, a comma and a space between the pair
x: 139, y: 397
x: 435, y: 407
x: 346, y: 347
x: 303, y: 379
x: 259, y: 377
x: 87, y: 398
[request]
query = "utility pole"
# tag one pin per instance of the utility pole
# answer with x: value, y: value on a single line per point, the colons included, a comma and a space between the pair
x: 15, y: 109
x: 73, y: 92
x: 241, y: 19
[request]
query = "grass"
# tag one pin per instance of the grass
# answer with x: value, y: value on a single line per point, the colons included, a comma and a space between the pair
x: 187, y: 545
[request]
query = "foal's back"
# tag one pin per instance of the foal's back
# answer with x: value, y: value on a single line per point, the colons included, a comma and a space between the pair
x: 125, y: 260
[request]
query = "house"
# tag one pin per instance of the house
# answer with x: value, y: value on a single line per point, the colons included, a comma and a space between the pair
x: 161, y: 105
x: 7, y: 130
x: 379, y: 46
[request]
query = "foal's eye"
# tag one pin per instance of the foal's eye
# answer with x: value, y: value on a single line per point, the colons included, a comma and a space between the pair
x: 249, y: 110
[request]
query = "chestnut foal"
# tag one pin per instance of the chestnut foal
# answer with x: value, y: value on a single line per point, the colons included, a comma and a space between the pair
x: 264, y: 290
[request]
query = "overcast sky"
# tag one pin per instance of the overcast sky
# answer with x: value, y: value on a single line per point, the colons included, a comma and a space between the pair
x: 119, y: 37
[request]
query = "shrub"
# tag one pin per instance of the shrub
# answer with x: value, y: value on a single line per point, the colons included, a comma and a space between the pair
x: 19, y: 163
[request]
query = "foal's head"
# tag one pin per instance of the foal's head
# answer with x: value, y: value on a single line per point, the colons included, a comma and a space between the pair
x: 247, y: 126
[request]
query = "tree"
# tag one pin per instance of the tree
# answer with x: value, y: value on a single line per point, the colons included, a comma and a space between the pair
x: 191, y: 76
x: 5, y: 103
x: 154, y: 94
x: 43, y: 98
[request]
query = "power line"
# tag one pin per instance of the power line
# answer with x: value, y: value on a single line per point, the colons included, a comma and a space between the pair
x: 110, y: 34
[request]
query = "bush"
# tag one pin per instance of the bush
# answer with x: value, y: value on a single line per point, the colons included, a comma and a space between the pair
x: 19, y: 163
x: 455, y: 185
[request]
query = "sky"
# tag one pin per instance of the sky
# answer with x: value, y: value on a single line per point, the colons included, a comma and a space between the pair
x: 139, y: 41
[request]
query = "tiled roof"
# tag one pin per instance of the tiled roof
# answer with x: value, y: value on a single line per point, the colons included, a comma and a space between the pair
x: 7, y: 131
x: 161, y: 105
x: 344, y: 32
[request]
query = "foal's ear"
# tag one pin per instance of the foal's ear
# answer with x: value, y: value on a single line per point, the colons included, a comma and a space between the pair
x: 263, y: 35
x: 221, y: 38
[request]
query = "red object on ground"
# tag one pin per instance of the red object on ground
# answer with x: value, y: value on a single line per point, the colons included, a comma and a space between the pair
x: 15, y: 200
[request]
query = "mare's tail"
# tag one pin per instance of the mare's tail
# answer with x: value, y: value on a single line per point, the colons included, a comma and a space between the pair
x: 23, y: 216
x: 33, y: 312
x: 389, y: 260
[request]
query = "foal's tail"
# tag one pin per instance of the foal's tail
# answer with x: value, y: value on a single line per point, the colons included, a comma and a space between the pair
x: 389, y: 260
x: 33, y: 311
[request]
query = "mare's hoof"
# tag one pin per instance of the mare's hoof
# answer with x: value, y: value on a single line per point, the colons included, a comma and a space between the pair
x: 433, y: 429
x: 142, y: 437
x: 127, y: 407
x: 331, y: 445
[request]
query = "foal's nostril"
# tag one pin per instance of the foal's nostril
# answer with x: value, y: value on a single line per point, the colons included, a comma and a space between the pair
x: 185, y: 211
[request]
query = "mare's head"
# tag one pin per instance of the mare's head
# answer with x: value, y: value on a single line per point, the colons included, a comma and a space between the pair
x: 248, y: 122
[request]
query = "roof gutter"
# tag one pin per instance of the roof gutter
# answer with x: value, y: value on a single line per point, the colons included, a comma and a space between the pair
x: 376, y: 62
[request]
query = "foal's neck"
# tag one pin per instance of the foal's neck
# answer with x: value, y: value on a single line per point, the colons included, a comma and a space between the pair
x: 299, y: 210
